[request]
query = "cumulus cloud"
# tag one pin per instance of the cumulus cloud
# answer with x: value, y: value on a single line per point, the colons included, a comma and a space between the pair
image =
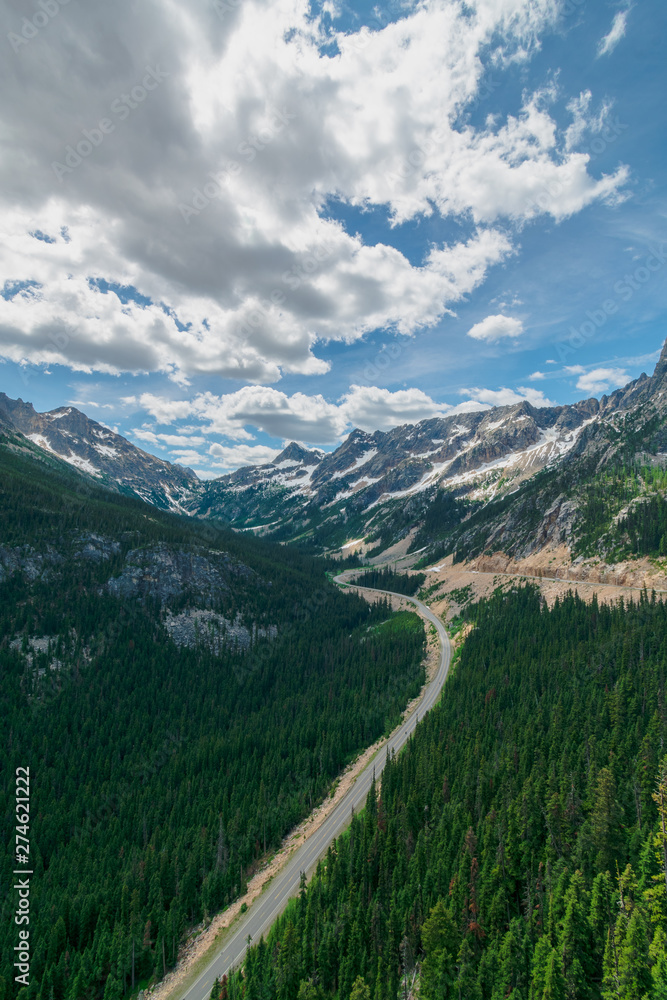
x: 206, y: 194
x: 494, y: 328
x: 507, y: 397
x: 236, y: 456
x: 310, y: 419
x: 615, y: 33
x: 238, y: 417
x: 599, y: 379
x: 370, y: 408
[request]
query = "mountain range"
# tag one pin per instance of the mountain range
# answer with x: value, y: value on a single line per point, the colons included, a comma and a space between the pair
x: 381, y: 486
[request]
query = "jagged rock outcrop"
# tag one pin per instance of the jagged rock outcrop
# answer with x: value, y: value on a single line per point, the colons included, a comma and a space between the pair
x: 26, y: 560
x: 199, y: 627
x: 165, y: 573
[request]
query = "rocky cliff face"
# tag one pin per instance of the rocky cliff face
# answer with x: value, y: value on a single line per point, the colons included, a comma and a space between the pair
x: 165, y: 572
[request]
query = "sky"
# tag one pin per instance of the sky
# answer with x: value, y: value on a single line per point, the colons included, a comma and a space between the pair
x: 235, y: 223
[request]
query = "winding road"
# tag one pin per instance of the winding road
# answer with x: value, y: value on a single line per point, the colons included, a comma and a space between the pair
x: 267, y: 907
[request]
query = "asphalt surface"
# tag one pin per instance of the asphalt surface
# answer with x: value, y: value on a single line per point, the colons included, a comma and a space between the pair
x: 267, y: 907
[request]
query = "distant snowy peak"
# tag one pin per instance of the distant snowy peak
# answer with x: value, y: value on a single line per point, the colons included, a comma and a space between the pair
x: 479, y: 455
x: 295, y: 454
x: 100, y: 452
x: 475, y: 452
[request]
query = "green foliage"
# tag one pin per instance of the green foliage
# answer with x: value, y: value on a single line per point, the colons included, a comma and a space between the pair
x: 401, y: 621
x: 389, y: 579
x: 479, y: 862
x: 161, y: 775
x: 638, y: 532
x: 461, y: 595
x: 445, y: 512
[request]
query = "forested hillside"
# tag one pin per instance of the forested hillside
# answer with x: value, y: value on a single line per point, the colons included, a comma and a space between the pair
x: 182, y: 696
x: 389, y: 579
x: 516, y: 848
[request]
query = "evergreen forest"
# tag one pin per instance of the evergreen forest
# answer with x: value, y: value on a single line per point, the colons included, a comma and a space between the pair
x: 161, y: 775
x: 516, y: 847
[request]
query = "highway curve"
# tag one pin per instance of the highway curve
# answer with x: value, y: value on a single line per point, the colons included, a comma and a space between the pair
x: 267, y: 907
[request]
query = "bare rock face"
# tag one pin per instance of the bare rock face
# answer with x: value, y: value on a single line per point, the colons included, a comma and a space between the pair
x: 96, y: 548
x: 554, y: 529
x: 26, y: 560
x: 165, y: 573
x: 199, y: 627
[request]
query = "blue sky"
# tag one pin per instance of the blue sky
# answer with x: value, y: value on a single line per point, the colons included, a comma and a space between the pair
x: 229, y: 228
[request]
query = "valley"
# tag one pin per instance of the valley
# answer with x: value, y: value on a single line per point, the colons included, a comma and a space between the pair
x: 307, y: 848
x: 333, y: 500
x: 289, y: 686
x: 138, y: 849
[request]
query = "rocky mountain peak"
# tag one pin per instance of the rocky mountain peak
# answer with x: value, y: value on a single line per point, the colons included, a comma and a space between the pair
x: 296, y: 453
x: 661, y: 367
x: 98, y: 451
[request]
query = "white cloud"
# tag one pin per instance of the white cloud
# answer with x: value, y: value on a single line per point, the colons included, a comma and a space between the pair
x: 600, y: 379
x: 236, y: 456
x: 494, y: 328
x: 164, y: 410
x: 584, y: 120
x: 578, y: 108
x: 84, y: 404
x: 615, y: 34
x: 358, y: 288
x: 537, y: 376
x: 257, y: 277
x: 238, y: 416
x: 371, y: 408
x: 507, y: 397
x: 174, y: 441
x: 300, y: 417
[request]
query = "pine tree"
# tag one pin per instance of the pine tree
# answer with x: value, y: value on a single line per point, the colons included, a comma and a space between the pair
x: 540, y: 964
x: 633, y: 962
x: 554, y: 984
x: 466, y: 983
x: 658, y: 958
x: 574, y: 938
x: 440, y: 944
x: 360, y: 990
x: 605, y: 821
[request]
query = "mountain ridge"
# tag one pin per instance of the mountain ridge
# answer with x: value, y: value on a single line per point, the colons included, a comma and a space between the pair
x: 99, y: 452
x: 374, y: 484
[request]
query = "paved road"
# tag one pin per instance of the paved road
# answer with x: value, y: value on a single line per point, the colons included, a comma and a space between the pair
x: 562, y: 579
x: 273, y: 901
